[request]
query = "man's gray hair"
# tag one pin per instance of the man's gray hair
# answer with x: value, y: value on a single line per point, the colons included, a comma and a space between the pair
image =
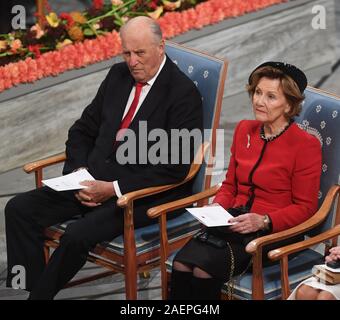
x: 156, y: 30
x: 151, y: 23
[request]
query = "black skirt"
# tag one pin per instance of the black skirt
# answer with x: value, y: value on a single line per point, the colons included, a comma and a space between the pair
x: 218, y: 262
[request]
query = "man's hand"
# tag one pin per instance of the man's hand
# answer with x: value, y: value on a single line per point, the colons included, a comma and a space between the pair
x: 96, y: 192
x: 247, y: 223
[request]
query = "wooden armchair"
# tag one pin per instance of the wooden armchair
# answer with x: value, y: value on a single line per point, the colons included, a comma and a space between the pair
x: 332, y: 234
x: 321, y: 117
x: 138, y: 250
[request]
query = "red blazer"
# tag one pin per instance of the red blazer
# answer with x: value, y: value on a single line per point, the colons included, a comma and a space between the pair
x: 287, y: 179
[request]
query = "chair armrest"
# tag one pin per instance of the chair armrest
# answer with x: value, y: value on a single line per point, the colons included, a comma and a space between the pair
x: 40, y: 164
x: 127, y: 198
x: 309, y: 224
x: 278, y: 253
x: 155, y: 212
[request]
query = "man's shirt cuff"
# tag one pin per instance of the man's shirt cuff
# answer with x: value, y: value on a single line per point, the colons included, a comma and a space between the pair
x: 117, y: 189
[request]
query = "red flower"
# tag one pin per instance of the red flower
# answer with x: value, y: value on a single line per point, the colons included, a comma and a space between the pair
x: 35, y: 49
x: 97, y: 4
x: 68, y: 18
x: 106, y: 46
x: 153, y: 4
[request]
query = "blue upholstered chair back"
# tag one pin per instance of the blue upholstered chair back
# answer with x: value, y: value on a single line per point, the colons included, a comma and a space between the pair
x: 321, y: 117
x: 208, y: 73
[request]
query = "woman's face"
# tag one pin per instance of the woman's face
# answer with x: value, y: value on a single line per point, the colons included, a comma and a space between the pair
x: 269, y: 102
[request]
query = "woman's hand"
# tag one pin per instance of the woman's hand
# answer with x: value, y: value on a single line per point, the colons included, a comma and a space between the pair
x: 334, y: 254
x: 247, y: 223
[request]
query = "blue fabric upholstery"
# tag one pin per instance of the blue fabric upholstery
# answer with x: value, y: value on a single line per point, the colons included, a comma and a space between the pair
x: 147, y: 238
x: 299, y: 269
x: 320, y: 116
x: 206, y: 72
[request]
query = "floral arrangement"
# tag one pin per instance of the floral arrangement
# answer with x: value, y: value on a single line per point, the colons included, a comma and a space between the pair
x: 74, y: 40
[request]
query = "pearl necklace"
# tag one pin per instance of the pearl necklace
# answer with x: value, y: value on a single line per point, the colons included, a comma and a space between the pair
x: 272, y: 137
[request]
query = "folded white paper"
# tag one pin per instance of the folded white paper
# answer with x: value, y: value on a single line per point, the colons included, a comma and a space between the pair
x: 211, y: 216
x: 69, y: 181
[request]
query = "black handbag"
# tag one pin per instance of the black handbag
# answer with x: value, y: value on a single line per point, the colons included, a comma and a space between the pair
x: 218, y: 237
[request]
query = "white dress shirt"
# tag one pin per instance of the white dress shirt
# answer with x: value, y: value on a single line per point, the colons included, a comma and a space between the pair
x: 144, y: 93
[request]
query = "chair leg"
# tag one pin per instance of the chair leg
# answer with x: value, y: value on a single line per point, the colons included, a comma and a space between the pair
x: 131, y: 285
x: 166, y: 278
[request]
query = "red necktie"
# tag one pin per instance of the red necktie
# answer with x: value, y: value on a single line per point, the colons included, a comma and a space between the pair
x: 128, y: 117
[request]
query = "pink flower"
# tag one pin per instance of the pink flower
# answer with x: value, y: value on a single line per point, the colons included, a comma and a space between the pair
x: 2, y: 83
x: 15, y: 45
x: 22, y: 66
x: 13, y: 70
x: 31, y: 75
x: 7, y: 78
x: 38, y: 31
x: 106, y: 46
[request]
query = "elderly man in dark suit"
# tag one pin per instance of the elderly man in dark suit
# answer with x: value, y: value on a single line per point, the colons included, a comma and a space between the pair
x: 147, y: 89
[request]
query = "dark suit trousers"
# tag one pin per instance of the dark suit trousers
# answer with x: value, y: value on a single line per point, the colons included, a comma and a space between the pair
x: 28, y: 214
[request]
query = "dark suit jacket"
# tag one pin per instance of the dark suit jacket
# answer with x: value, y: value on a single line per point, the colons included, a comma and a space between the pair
x: 172, y: 103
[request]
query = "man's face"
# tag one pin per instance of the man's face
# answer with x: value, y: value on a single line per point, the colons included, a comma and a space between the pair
x: 142, y: 53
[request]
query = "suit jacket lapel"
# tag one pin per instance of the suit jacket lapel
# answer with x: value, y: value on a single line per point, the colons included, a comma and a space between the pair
x: 156, y: 95
x: 119, y: 102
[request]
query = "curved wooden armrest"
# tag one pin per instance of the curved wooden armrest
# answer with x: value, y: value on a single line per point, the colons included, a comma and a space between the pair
x: 155, y: 212
x: 278, y: 253
x: 309, y: 224
x: 127, y: 198
x: 40, y: 164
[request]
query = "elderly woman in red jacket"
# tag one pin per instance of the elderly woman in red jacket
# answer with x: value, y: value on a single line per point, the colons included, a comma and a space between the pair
x: 271, y: 184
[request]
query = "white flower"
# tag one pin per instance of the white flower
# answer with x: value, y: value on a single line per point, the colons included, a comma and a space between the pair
x: 318, y: 108
x: 196, y: 83
x: 205, y: 74
x: 322, y: 124
x: 324, y: 167
x: 117, y: 2
x: 334, y: 114
x: 305, y: 123
x: 190, y: 69
x: 175, y: 62
x: 328, y: 141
